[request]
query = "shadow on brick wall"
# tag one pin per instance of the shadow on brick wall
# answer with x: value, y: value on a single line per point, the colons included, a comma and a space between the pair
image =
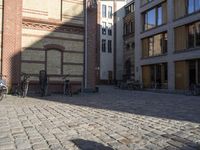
x: 58, y: 48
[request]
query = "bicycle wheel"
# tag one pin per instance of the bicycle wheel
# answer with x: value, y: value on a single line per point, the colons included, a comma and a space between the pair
x: 1, y: 95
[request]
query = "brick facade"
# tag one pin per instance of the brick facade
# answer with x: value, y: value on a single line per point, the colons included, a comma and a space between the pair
x: 12, y: 25
x: 30, y: 31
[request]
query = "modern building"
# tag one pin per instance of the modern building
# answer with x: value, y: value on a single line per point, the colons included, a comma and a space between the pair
x: 50, y: 35
x: 129, y: 42
x: 110, y: 41
x: 167, y: 43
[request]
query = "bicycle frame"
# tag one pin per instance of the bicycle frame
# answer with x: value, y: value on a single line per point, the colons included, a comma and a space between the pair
x: 3, y: 87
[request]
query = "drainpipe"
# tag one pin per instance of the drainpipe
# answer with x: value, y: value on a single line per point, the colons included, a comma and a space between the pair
x: 86, y: 48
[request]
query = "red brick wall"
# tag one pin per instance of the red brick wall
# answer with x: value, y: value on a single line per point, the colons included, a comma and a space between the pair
x: 12, y: 24
x: 92, y: 46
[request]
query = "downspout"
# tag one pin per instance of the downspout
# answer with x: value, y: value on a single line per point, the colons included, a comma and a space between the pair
x: 86, y: 49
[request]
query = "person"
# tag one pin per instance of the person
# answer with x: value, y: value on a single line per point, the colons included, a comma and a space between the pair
x: 43, y: 80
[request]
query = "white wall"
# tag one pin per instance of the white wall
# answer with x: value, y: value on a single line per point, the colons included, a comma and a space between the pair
x: 106, y: 59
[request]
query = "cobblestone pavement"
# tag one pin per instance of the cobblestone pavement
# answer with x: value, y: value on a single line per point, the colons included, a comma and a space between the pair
x: 110, y: 119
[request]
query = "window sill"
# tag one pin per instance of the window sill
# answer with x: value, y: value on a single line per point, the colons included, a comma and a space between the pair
x: 155, y: 56
x: 153, y: 28
x: 186, y: 50
x: 145, y: 4
x: 187, y: 15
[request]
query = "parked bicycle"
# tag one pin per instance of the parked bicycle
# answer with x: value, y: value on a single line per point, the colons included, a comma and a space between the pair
x: 22, y: 87
x: 195, y: 89
x: 67, y: 90
x: 3, y: 87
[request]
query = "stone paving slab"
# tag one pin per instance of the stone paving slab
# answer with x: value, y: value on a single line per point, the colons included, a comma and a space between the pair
x: 111, y: 119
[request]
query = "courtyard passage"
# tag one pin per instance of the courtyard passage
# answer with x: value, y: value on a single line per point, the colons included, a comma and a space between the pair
x: 110, y: 119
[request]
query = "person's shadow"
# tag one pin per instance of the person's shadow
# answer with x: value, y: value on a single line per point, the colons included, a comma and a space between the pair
x: 89, y: 145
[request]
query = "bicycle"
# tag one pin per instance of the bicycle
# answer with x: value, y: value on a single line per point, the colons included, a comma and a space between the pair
x: 67, y: 86
x: 195, y: 89
x: 3, y: 87
x: 22, y: 87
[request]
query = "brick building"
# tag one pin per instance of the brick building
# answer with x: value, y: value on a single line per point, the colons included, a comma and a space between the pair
x: 48, y: 35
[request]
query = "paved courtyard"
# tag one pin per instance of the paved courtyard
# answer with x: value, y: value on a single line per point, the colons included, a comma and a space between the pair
x: 110, y: 119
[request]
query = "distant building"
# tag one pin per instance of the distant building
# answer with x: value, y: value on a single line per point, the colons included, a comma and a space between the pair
x: 167, y: 43
x: 129, y: 41
x: 110, y: 41
x: 48, y: 35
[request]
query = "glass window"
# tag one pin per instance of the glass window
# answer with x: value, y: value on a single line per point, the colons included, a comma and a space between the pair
x: 110, y: 12
x: 151, y: 46
x: 104, y: 11
x: 197, y: 5
x: 109, y: 46
x: 155, y: 17
x: 191, y: 36
x: 159, y: 20
x: 190, y: 6
x: 150, y: 19
x: 157, y: 44
x: 103, y: 45
x: 193, y: 6
x: 198, y: 34
x: 199, y: 71
x: 165, y: 72
x: 109, y: 29
x: 164, y: 43
x: 104, y: 28
x: 132, y: 7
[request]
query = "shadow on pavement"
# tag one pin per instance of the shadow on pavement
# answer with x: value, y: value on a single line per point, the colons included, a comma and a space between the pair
x: 89, y: 145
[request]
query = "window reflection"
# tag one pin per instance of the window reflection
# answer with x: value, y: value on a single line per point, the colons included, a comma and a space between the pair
x: 150, y: 19
x: 155, y: 17
x: 160, y: 16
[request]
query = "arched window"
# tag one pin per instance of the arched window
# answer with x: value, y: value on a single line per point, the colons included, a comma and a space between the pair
x: 54, y: 58
x: 54, y: 64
